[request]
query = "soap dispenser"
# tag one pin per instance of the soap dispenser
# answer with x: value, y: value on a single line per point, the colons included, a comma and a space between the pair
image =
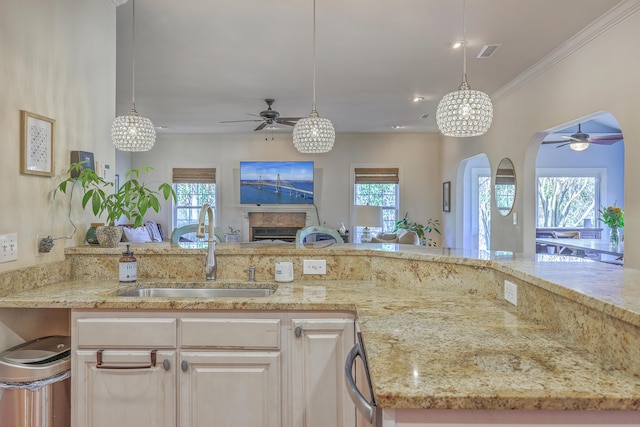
x: 128, y: 266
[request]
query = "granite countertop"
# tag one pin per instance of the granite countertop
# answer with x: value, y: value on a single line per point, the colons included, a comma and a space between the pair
x: 432, y: 348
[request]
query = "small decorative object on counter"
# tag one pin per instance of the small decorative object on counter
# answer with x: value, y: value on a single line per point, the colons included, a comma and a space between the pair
x: 128, y: 266
x: 342, y: 230
x: 91, y: 237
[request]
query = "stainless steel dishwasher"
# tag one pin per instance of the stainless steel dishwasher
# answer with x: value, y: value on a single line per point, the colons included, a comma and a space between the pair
x: 35, y: 386
x: 356, y: 374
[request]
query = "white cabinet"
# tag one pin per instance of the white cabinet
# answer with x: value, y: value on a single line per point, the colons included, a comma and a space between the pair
x: 231, y: 372
x: 319, y: 349
x: 230, y: 389
x: 110, y: 396
x: 114, y: 379
x: 213, y: 369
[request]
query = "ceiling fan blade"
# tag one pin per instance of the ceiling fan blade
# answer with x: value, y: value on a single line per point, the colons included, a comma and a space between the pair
x: 237, y: 121
x: 554, y: 142
x: 562, y: 145
x: 260, y: 126
x: 612, y: 137
x: 604, y: 141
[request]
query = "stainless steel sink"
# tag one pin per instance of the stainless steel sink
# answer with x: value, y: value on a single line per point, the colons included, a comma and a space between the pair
x: 197, y: 292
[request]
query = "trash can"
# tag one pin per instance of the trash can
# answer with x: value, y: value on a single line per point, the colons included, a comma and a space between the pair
x: 35, y: 385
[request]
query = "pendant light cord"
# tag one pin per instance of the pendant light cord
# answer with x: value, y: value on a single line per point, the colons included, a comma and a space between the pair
x: 133, y: 58
x: 313, y: 105
x: 464, y: 42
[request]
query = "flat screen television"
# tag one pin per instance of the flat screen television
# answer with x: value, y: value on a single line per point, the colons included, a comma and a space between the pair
x: 271, y: 183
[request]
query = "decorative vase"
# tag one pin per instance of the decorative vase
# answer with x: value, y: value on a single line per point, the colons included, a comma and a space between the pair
x: 91, y: 237
x: 109, y: 235
x: 232, y: 237
x: 614, y: 236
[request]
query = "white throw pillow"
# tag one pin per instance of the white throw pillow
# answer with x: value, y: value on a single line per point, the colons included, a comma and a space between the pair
x: 137, y: 235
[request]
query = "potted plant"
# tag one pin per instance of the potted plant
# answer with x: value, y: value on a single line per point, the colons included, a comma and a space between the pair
x: 420, y: 229
x: 233, y: 235
x: 132, y: 200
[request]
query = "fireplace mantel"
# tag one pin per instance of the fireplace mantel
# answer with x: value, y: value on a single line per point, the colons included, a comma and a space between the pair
x: 308, y: 210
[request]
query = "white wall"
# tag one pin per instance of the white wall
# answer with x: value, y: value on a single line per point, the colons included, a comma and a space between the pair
x: 57, y: 59
x: 600, y: 76
x: 418, y: 156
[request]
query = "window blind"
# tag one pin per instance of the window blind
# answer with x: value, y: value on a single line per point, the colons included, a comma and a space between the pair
x: 377, y: 176
x: 197, y: 175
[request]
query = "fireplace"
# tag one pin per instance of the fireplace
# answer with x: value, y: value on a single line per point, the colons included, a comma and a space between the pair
x: 288, y: 234
x: 277, y: 225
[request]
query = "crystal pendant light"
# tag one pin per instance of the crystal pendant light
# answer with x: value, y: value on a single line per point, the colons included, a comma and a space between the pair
x: 464, y: 112
x: 133, y: 132
x: 314, y: 134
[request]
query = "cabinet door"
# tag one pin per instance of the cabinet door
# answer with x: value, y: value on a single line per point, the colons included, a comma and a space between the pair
x: 124, y: 397
x: 230, y: 389
x: 319, y: 351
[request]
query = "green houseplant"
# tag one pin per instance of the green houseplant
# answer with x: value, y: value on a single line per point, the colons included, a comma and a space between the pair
x: 132, y: 200
x: 420, y: 229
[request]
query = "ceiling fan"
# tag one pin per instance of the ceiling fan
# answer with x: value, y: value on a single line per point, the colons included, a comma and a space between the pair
x: 580, y: 141
x: 268, y: 117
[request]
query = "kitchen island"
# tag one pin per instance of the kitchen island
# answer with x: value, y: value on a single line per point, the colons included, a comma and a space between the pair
x: 437, y: 330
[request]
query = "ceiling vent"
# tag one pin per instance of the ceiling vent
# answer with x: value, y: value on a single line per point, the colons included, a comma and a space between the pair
x: 488, y: 50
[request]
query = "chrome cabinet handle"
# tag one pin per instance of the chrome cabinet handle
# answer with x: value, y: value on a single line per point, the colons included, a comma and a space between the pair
x: 101, y: 365
x: 367, y: 409
x: 184, y: 365
x: 298, y: 331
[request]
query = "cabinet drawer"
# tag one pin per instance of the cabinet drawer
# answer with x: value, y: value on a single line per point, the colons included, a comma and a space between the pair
x: 126, y: 332
x: 230, y: 333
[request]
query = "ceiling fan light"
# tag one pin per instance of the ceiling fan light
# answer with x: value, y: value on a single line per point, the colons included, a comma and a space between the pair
x: 464, y: 113
x: 314, y: 134
x: 133, y: 133
x: 579, y: 146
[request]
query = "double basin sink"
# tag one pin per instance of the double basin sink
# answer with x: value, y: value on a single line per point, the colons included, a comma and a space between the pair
x: 197, y: 290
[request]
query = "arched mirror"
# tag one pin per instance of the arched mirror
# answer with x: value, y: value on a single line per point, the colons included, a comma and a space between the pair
x: 505, y: 188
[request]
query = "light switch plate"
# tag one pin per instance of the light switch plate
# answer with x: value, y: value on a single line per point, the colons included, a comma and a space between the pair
x: 8, y: 247
x: 511, y: 292
x: 314, y: 266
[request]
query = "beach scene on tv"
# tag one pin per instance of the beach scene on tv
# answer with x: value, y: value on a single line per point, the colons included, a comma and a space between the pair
x: 276, y: 183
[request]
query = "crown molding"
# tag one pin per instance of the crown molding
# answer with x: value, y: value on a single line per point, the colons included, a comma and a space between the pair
x: 613, y: 17
x: 119, y: 2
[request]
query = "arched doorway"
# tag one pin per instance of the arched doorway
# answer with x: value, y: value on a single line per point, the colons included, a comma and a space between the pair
x: 474, y: 186
x: 579, y: 170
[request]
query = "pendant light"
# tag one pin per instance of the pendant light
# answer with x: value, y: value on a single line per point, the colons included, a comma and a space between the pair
x: 314, y: 134
x: 133, y: 132
x: 464, y: 112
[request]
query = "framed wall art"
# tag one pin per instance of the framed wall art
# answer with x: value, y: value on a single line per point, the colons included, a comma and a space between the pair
x: 36, y: 144
x: 446, y: 196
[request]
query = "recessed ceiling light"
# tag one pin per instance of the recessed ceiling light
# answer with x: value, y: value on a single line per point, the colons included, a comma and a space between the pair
x: 162, y: 127
x: 397, y: 127
x: 417, y: 98
x: 458, y: 44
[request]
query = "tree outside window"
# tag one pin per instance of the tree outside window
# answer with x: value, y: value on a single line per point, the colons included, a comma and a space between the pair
x: 566, y: 201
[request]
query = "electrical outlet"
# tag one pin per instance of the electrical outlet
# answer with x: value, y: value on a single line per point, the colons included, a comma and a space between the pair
x: 511, y: 292
x: 8, y: 247
x: 314, y: 266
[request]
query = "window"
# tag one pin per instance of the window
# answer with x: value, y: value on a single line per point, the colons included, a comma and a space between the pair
x: 194, y: 187
x: 484, y: 212
x: 566, y: 200
x: 377, y: 187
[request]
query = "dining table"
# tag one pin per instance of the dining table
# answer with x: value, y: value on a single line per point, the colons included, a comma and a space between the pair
x: 600, y: 246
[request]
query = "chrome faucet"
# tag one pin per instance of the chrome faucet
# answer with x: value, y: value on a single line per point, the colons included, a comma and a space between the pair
x: 210, y: 266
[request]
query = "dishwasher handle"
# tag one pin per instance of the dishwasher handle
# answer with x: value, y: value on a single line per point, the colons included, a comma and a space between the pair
x: 366, y: 408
